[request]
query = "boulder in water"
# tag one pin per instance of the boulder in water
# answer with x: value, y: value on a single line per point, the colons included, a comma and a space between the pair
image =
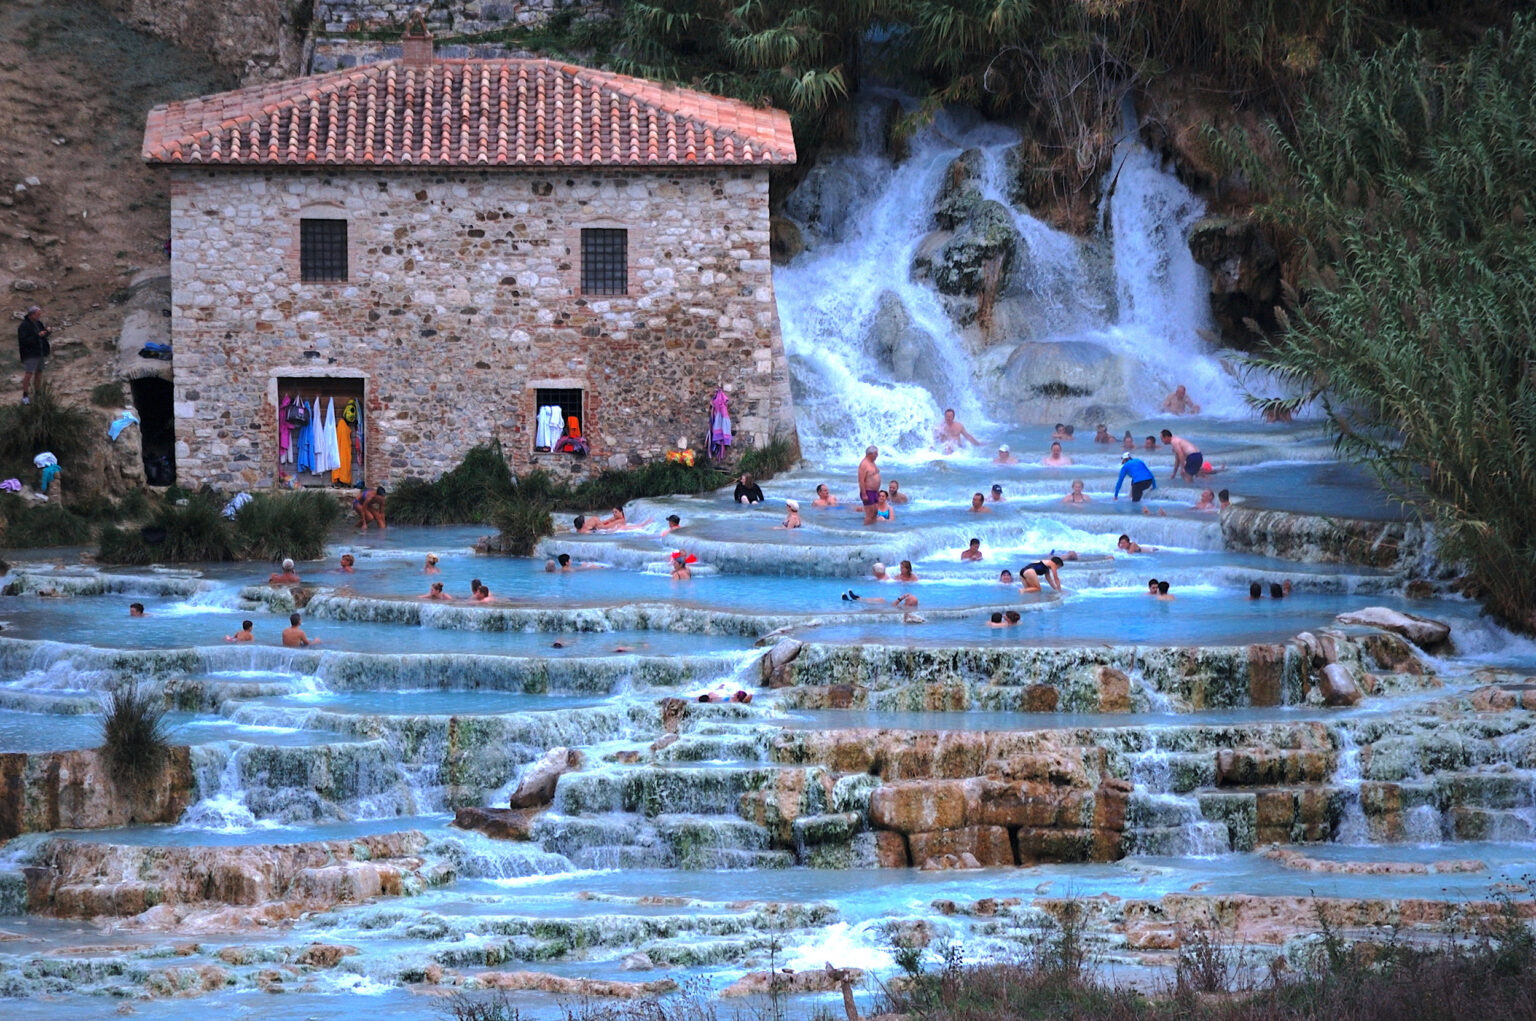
x: 784, y: 240
x: 1427, y: 634
x: 1245, y: 273
x: 775, y: 665
x: 1338, y: 685
x: 499, y: 823
x: 537, y: 786
x: 906, y: 350
x: 825, y: 198
x: 980, y: 255
x: 1043, y: 382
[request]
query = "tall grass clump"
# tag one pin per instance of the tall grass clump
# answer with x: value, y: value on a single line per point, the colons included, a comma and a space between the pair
x: 46, y: 524
x: 133, y: 737
x: 1415, y: 329
x: 27, y: 430
x: 291, y: 525
x: 193, y: 529
x: 468, y: 494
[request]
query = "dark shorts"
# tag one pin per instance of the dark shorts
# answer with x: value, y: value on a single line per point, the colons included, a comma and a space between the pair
x: 33, y: 365
x: 870, y: 497
x: 1194, y: 462
x: 1137, y: 488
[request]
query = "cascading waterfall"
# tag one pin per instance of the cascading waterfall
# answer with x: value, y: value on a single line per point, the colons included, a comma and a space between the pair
x: 1134, y: 292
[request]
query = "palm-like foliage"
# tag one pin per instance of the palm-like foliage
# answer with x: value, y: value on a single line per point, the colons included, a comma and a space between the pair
x: 1409, y: 192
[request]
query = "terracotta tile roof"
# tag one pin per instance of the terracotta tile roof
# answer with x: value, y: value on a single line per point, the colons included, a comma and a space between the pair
x: 467, y: 113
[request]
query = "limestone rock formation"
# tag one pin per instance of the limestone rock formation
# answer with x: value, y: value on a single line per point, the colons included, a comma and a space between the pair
x: 1245, y: 273
x: 499, y: 823
x: 75, y: 790
x: 824, y: 198
x: 1427, y: 634
x: 544, y: 982
x: 907, y: 350
x: 1057, y: 381
x: 537, y: 787
x: 1338, y: 685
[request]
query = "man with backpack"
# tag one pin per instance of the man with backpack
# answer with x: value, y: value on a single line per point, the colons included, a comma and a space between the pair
x: 32, y: 339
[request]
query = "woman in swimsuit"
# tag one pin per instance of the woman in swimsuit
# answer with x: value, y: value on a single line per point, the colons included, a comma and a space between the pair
x: 883, y: 506
x: 1077, y: 495
x: 1031, y: 575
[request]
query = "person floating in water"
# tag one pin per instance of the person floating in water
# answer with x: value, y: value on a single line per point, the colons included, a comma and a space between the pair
x: 1162, y: 592
x: 747, y: 490
x: 1004, y: 456
x: 824, y: 497
x: 896, y: 495
x: 1103, y: 436
x: 869, y: 483
x: 1255, y: 590
x: 1125, y: 544
x: 1150, y: 443
x: 878, y: 573
x: 997, y: 493
x: 792, y: 517
x: 1127, y: 442
x: 136, y: 610
x: 431, y: 565
x: 1005, y: 577
x: 1141, y: 477
x: 972, y: 553
x: 286, y: 577
x: 1077, y: 495
x: 1152, y: 587
x: 1031, y: 575
x: 979, y: 504
x: 673, y: 524
x: 294, y: 636
x: 952, y: 435
x: 1178, y: 403
x: 348, y: 564
x: 1064, y: 432
x: 1207, y: 501
x: 883, y: 509
x: 436, y: 594
x: 247, y: 633
x: 906, y: 573
x: 1056, y: 459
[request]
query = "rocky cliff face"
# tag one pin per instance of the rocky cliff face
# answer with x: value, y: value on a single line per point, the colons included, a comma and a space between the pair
x: 259, y: 40
x: 75, y: 790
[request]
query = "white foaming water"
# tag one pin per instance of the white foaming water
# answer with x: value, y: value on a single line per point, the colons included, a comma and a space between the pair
x: 1353, y: 828
x: 1149, y: 308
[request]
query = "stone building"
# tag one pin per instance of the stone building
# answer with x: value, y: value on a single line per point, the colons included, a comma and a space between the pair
x: 455, y: 244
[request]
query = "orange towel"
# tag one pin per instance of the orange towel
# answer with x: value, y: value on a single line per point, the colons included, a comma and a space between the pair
x: 344, y: 445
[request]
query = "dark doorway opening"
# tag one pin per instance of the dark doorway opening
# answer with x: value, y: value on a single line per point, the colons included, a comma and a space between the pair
x: 154, y: 400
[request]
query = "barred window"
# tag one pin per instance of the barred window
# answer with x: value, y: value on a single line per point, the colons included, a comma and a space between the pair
x: 604, y: 260
x: 322, y: 250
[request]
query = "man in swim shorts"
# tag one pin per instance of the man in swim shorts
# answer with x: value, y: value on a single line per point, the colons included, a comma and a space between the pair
x: 869, y: 483
x: 952, y: 434
x: 1187, y: 459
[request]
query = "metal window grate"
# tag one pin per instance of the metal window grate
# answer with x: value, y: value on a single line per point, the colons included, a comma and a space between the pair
x: 322, y: 250
x: 604, y: 260
x: 569, y: 402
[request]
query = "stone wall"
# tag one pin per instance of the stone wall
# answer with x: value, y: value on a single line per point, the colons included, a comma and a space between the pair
x: 74, y: 790
x: 463, y: 295
x: 258, y: 39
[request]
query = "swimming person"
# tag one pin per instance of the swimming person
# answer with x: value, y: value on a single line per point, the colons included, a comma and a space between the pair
x: 673, y: 524
x: 1178, y: 403
x: 136, y: 610
x: 971, y: 553
x: 294, y: 636
x: 1207, y: 501
x: 246, y: 633
x: 1077, y: 495
x: 897, y: 496
x: 747, y: 491
x: 869, y: 483
x: 436, y: 593
x: 1187, y: 459
x: 1031, y: 575
x: 906, y: 573
x: 1162, y: 591
x: 1004, y: 456
x: 1005, y: 577
x: 1126, y: 544
x: 287, y: 577
x: 1255, y: 590
x: 1142, y: 479
x: 1063, y: 432
x: 979, y: 504
x: 431, y: 565
x: 877, y: 571
x: 680, y: 570
x: 1151, y: 586
x: 952, y: 434
x: 792, y: 518
x: 1103, y: 436
x: 883, y: 506
x: 824, y: 497
x: 1056, y: 459
x: 347, y: 563
x: 997, y: 493
x: 1224, y: 499
x: 1276, y: 591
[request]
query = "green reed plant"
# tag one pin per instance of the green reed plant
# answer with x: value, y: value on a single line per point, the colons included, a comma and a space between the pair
x: 47, y: 524
x: 274, y: 526
x: 47, y: 423
x: 133, y: 736
x: 1408, y: 196
x: 470, y: 493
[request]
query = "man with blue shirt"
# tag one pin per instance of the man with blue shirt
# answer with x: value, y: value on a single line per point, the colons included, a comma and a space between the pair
x: 1140, y: 475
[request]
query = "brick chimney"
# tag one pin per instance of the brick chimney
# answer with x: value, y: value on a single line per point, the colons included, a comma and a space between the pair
x: 417, y: 41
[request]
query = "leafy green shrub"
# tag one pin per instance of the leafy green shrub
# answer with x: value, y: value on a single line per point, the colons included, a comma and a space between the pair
x: 44, y: 524
x: 107, y: 395
x: 1410, y: 198
x: 616, y: 487
x: 469, y: 494
x: 27, y: 430
x: 133, y: 737
x: 289, y: 525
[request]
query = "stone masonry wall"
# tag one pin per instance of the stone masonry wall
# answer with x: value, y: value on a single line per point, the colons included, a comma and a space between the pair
x: 463, y: 295
x: 351, y: 32
x: 258, y: 39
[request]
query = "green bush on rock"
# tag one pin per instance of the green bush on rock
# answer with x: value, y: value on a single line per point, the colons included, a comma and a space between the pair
x: 1410, y: 196
x: 269, y: 526
x: 133, y: 737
